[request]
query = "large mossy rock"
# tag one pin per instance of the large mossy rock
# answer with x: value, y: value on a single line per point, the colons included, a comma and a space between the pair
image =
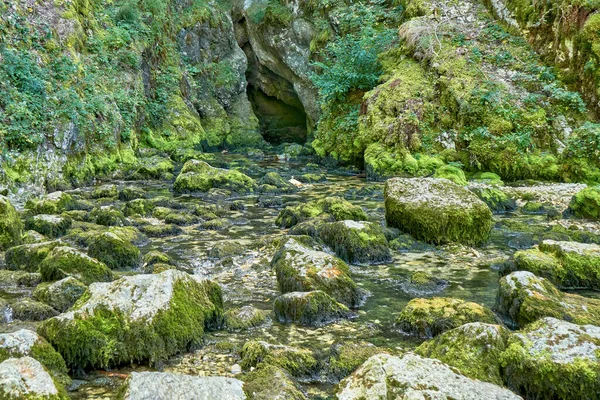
x: 31, y: 310
x: 108, y: 216
x: 554, y: 359
x: 25, y: 378
x: 169, y: 386
x: 53, y: 203
x: 567, y: 265
x: 333, y: 208
x: 65, y: 261
x: 199, y: 176
x: 524, y: 298
x: 298, y: 362
x: 60, y: 295
x: 28, y: 257
x: 430, y: 317
x: 24, y: 342
x: 52, y: 226
x: 474, y: 349
x: 11, y: 227
x: 136, y: 318
x: 586, y: 204
x: 384, y: 377
x: 115, y: 252
x: 356, y: 242
x: 314, y: 308
x: 345, y: 357
x: 269, y: 382
x: 244, y: 318
x: 273, y: 183
x: 436, y: 211
x: 302, y: 269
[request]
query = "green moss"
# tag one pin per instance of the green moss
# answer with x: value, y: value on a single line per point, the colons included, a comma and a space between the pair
x: 180, y: 219
x: 131, y: 193
x: 161, y: 230
x: 298, y: 362
x: 338, y: 208
x: 139, y: 207
x: 52, y: 226
x: 60, y: 295
x: 496, y: 199
x: 344, y: 358
x: 272, y: 182
x: 452, y: 173
x: 356, y: 242
x: 245, y: 318
x: 106, y: 338
x: 113, y: 251
x: 11, y: 227
x: 105, y: 191
x: 54, y: 203
x: 430, y: 317
x: 66, y: 261
x: 586, y: 204
x: 269, y: 381
x: 31, y: 310
x: 474, y: 349
x: 198, y: 176
x: 27, y: 257
x: 108, y: 216
x: 314, y: 308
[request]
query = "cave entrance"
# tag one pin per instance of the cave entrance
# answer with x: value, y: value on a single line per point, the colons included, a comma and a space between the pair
x: 279, y: 122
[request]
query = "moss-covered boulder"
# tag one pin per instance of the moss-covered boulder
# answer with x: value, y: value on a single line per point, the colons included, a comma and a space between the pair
x: 27, y: 257
x: 60, y: 295
x: 52, y: 226
x: 298, y: 362
x: 115, y: 252
x: 11, y: 227
x: 165, y: 385
x: 384, y: 377
x: 66, y: 261
x: 421, y: 283
x: 181, y: 219
x: 155, y: 167
x: 302, y: 269
x: 567, y: 265
x: 105, y: 192
x: 198, y: 176
x: 430, y: 317
x: 244, y: 318
x: 134, y: 319
x: 345, y: 357
x: 129, y: 193
x: 226, y: 248
x: 20, y: 278
x: 24, y: 343
x: 436, y: 211
x: 217, y: 224
x: 31, y: 310
x: 156, y: 257
x: 53, y: 203
x: 554, y: 359
x: 474, y: 349
x: 108, y: 216
x: 314, y: 308
x: 337, y: 209
x: 25, y: 378
x: 356, y: 242
x: 160, y: 230
x: 31, y: 236
x: 451, y: 173
x: 138, y: 207
x: 524, y: 298
x: 496, y: 199
x: 273, y: 183
x: 586, y: 204
x: 269, y: 382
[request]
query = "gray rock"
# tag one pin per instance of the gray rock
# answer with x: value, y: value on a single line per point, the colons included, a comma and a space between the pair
x: 411, y: 377
x: 168, y: 386
x: 25, y: 378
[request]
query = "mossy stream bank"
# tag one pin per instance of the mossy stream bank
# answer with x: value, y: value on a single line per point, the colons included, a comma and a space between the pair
x: 231, y: 240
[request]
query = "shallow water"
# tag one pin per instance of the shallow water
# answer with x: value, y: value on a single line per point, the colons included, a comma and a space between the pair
x: 248, y: 280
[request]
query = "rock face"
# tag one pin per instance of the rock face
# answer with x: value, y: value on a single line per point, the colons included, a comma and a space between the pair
x: 554, y: 359
x: 302, y: 269
x: 430, y: 317
x: 356, y: 242
x: 136, y: 318
x: 474, y: 349
x: 11, y: 227
x: 524, y: 298
x: 26, y: 379
x: 565, y: 264
x: 436, y: 211
x: 198, y: 176
x: 66, y: 261
x: 314, y: 308
x: 167, y: 386
x: 412, y: 377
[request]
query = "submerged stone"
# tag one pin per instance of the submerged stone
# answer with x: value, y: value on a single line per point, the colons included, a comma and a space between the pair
x: 302, y: 269
x: 337, y: 209
x: 554, y: 359
x: 524, y: 298
x: 430, y: 317
x: 423, y: 284
x: 66, y: 261
x: 384, y: 377
x: 138, y: 318
x: 198, y: 176
x: 356, y: 242
x: 436, y: 211
x: 474, y: 349
x: 25, y: 378
x: 314, y: 308
x: 113, y: 251
x: 168, y: 386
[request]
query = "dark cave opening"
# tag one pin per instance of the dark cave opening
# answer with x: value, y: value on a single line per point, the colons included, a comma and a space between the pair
x: 279, y: 121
